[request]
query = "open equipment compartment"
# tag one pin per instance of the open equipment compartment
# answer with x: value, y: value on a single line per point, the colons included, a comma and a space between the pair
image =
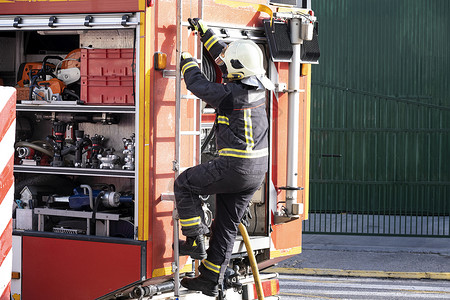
x: 75, y: 175
x: 92, y: 169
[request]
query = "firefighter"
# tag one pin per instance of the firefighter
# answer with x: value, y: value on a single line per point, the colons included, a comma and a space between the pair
x: 237, y: 173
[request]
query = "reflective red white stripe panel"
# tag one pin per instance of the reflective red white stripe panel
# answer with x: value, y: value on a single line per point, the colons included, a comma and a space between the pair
x: 7, y: 138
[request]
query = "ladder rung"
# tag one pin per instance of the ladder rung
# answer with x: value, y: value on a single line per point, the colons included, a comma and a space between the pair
x: 182, y: 169
x: 190, y: 97
x: 167, y: 197
x: 208, y: 110
x: 190, y: 132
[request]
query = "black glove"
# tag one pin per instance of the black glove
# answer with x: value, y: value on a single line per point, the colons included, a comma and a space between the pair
x: 198, y: 24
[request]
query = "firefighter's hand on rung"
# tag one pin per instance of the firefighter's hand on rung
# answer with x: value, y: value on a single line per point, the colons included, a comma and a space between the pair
x: 187, y: 62
x: 198, y: 24
x: 185, y: 55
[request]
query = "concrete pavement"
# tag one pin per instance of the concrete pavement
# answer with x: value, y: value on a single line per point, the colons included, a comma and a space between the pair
x: 370, y: 256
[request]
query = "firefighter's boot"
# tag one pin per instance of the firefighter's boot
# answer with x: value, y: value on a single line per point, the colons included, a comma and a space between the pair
x: 194, y: 246
x: 201, y: 284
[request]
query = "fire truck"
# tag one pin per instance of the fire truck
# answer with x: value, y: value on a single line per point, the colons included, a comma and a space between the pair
x: 104, y: 124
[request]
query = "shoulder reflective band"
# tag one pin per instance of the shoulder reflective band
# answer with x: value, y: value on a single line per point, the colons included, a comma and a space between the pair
x: 248, y: 129
x: 210, y: 266
x: 223, y: 120
x: 190, y: 222
x: 210, y: 42
x: 189, y: 65
x: 244, y: 153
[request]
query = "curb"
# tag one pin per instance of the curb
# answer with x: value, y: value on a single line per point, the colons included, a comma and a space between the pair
x: 360, y: 273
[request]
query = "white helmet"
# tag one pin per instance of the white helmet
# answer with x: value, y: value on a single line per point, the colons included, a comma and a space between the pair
x: 243, y: 58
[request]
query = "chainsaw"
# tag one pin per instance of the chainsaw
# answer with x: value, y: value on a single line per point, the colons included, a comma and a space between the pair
x: 49, y: 81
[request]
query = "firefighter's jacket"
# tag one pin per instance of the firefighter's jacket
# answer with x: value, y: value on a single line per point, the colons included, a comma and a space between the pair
x: 241, y: 122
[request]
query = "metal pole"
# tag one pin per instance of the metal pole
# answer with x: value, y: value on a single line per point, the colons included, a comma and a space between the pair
x: 178, y: 90
x: 176, y: 253
x: 293, y: 130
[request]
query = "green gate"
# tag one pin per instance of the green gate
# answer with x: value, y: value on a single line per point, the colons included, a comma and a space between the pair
x: 380, y: 119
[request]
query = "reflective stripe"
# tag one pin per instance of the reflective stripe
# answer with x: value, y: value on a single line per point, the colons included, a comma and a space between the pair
x: 189, y: 65
x: 248, y: 129
x: 223, y: 120
x: 220, y: 59
x: 243, y: 153
x: 210, y: 42
x: 190, y: 222
x: 210, y: 266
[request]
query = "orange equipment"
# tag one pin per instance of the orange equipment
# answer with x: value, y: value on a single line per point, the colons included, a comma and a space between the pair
x: 27, y: 71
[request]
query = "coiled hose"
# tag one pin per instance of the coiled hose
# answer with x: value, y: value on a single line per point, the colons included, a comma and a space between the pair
x: 208, y: 68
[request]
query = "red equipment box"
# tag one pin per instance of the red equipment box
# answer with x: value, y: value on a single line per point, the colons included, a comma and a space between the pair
x: 107, y: 76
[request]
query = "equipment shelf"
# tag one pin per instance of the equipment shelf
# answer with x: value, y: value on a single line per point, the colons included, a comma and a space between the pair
x: 74, y: 214
x: 77, y: 108
x: 74, y: 171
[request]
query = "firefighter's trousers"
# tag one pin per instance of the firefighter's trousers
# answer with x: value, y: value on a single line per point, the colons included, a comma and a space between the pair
x: 233, y: 191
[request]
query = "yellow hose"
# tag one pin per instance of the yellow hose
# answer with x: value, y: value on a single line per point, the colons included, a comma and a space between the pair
x: 253, y: 263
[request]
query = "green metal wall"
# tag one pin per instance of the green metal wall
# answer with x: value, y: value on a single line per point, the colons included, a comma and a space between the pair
x: 380, y: 117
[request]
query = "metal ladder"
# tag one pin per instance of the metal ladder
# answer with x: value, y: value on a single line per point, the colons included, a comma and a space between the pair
x: 194, y: 133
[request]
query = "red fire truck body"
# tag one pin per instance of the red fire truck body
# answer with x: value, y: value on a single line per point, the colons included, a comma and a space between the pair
x: 54, y: 260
